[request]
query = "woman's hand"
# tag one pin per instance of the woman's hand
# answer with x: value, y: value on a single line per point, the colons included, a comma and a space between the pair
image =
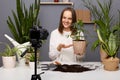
x: 60, y: 46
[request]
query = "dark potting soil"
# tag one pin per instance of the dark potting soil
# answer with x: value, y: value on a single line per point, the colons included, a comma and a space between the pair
x: 71, y: 68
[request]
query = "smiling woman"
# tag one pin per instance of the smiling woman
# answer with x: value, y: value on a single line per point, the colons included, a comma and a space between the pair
x: 62, y: 48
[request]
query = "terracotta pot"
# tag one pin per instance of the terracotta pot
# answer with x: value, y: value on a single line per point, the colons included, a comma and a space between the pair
x: 111, y: 64
x: 79, y: 47
x: 103, y: 54
x: 9, y: 62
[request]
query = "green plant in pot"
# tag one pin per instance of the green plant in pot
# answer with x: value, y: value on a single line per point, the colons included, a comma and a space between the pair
x: 107, y: 32
x: 23, y: 19
x: 79, y: 42
x: 30, y: 58
x: 102, y: 19
x: 111, y: 47
x: 9, y: 56
x: 30, y: 55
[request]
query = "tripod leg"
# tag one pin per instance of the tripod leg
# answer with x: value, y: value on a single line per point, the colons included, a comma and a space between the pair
x: 36, y: 77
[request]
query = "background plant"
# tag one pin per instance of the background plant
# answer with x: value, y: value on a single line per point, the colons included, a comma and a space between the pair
x: 107, y: 31
x: 9, y: 51
x: 23, y: 19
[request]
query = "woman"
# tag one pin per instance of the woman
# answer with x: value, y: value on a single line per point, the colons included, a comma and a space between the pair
x: 61, y: 48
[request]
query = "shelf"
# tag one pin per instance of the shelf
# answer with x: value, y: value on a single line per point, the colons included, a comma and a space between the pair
x: 56, y: 3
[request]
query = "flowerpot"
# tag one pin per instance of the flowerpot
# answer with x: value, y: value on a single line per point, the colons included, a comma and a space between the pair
x: 79, y: 47
x: 103, y: 55
x: 28, y: 57
x: 32, y: 65
x: 111, y: 64
x: 9, y: 62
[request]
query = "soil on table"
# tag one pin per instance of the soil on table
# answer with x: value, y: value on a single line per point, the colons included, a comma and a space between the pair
x: 71, y: 68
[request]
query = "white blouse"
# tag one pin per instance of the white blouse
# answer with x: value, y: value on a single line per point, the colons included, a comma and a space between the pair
x: 66, y: 54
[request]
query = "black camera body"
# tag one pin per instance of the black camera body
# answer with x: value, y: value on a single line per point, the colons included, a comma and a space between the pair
x: 37, y: 33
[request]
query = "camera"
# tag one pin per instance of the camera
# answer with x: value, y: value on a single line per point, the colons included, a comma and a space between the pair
x: 37, y: 34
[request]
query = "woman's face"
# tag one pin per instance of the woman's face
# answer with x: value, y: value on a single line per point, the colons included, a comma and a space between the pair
x: 67, y: 20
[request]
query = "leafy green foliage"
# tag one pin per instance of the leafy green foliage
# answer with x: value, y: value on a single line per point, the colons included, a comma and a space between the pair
x: 23, y: 19
x: 107, y: 31
x: 9, y: 51
x: 32, y: 57
x: 78, y: 27
x: 30, y: 49
x: 111, y: 45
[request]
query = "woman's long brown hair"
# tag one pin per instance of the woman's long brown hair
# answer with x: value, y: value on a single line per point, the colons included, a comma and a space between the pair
x: 61, y: 27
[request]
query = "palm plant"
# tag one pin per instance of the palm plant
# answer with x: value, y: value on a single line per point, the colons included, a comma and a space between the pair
x: 107, y: 31
x: 23, y: 20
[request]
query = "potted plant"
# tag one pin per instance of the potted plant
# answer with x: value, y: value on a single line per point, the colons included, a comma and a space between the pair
x: 30, y: 57
x: 107, y: 32
x: 79, y: 42
x: 9, y: 56
x: 24, y: 18
x: 110, y: 47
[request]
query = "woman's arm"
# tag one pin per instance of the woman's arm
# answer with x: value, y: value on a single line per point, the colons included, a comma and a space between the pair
x: 54, y: 41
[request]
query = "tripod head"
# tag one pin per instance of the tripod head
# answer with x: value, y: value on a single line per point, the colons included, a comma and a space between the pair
x: 37, y: 34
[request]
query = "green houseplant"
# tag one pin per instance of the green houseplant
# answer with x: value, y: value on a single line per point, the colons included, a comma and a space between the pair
x: 107, y: 32
x: 79, y: 42
x: 23, y: 19
x: 9, y: 56
x: 30, y: 57
x: 78, y: 27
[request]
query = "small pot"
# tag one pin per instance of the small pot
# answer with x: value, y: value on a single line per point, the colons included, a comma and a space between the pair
x: 111, y: 64
x: 79, y: 47
x: 32, y: 65
x: 9, y: 62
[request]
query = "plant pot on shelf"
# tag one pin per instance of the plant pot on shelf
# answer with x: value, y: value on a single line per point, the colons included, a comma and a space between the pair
x: 79, y: 47
x: 9, y: 61
x: 111, y: 64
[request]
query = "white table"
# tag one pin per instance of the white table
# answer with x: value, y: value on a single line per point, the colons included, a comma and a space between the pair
x: 25, y: 73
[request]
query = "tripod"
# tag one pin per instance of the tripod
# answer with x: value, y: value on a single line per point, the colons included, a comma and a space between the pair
x: 37, y: 33
x: 35, y: 76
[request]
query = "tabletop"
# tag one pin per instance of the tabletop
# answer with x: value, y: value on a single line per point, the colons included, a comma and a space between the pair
x: 25, y: 73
